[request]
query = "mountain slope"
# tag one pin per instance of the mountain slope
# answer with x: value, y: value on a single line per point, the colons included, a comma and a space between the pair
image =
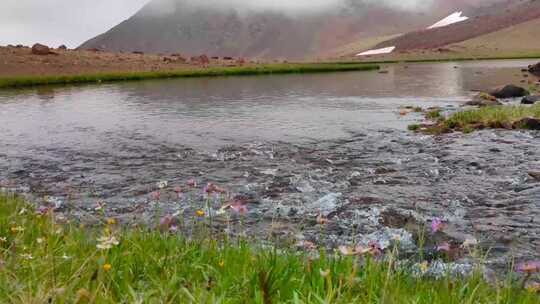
x: 192, y: 28
x: 483, y: 21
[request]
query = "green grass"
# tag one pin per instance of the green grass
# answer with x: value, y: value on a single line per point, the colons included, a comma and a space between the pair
x: 42, y: 261
x: 14, y: 82
x: 493, y: 117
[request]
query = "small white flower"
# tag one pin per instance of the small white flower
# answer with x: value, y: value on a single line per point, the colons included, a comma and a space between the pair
x: 324, y: 273
x: 3, y: 239
x: 66, y: 257
x: 107, y: 242
x: 40, y: 240
x: 100, y: 206
x: 27, y: 256
x: 23, y: 211
x: 470, y: 243
x: 162, y: 184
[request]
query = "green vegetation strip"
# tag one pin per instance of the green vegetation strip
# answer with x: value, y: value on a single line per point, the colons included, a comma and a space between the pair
x: 492, y: 117
x: 44, y: 261
x: 185, y: 73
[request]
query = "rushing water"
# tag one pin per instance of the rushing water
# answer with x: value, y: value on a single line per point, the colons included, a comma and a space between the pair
x: 296, y: 145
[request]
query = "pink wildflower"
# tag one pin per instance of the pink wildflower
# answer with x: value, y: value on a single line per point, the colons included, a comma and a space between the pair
x: 212, y: 188
x: 42, y: 210
x: 444, y: 247
x: 155, y: 195
x: 239, y: 208
x: 529, y: 267
x: 375, y: 248
x: 168, y: 223
x: 436, y: 225
x: 192, y: 183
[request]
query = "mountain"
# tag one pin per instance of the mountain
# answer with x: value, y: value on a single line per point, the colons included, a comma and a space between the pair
x: 482, y: 21
x: 194, y: 27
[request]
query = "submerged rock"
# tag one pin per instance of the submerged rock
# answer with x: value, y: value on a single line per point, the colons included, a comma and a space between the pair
x: 387, y: 238
x: 484, y: 100
x: 326, y: 204
x: 509, y: 91
x: 529, y: 123
x: 535, y: 69
x: 532, y: 99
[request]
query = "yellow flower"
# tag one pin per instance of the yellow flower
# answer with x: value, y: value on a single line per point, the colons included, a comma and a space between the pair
x: 424, y: 267
x: 199, y: 213
x: 16, y: 229
x: 82, y: 296
x: 111, y: 221
x: 221, y: 263
x: 533, y: 288
x: 107, y: 267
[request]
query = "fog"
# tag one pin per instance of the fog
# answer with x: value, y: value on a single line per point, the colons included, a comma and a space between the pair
x: 71, y: 22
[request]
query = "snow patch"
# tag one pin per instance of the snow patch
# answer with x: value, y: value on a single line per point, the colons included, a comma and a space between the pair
x: 454, y: 18
x: 386, y: 50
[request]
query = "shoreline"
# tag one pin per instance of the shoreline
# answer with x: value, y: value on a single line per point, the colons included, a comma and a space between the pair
x: 29, y: 81
x: 436, y: 60
x: 109, y: 263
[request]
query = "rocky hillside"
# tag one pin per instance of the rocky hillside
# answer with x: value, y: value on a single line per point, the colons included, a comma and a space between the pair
x: 194, y: 27
x: 483, y: 20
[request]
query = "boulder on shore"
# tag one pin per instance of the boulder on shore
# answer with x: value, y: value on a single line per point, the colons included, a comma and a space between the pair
x: 529, y: 123
x: 62, y: 47
x: 509, y: 91
x: 40, y: 49
x: 531, y: 99
x: 483, y: 100
x: 535, y: 69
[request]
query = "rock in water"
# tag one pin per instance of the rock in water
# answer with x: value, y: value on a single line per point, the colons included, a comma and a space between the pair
x: 532, y: 99
x: 326, y: 204
x: 483, y: 100
x: 530, y: 123
x: 40, y: 49
x: 509, y: 91
x: 535, y: 175
x: 535, y: 69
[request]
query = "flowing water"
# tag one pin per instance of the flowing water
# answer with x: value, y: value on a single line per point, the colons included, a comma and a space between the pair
x: 293, y: 146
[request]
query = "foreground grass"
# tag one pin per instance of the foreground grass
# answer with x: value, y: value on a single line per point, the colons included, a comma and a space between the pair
x: 46, y: 262
x: 493, y: 117
x: 185, y: 73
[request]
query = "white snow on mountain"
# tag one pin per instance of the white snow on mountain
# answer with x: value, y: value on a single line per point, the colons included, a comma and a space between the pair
x: 454, y: 18
x: 386, y: 50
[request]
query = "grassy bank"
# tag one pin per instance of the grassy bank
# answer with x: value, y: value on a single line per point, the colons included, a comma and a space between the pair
x: 185, y: 73
x: 43, y: 261
x: 493, y: 117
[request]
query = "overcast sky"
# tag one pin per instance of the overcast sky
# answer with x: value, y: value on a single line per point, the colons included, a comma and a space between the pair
x: 56, y: 22
x: 71, y: 22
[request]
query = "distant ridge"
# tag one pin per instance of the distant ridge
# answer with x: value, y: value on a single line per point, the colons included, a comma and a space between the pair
x: 186, y: 27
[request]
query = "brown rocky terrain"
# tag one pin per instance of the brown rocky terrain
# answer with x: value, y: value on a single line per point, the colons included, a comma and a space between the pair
x: 22, y: 61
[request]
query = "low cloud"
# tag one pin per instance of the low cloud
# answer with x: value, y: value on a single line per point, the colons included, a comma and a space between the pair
x: 71, y: 22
